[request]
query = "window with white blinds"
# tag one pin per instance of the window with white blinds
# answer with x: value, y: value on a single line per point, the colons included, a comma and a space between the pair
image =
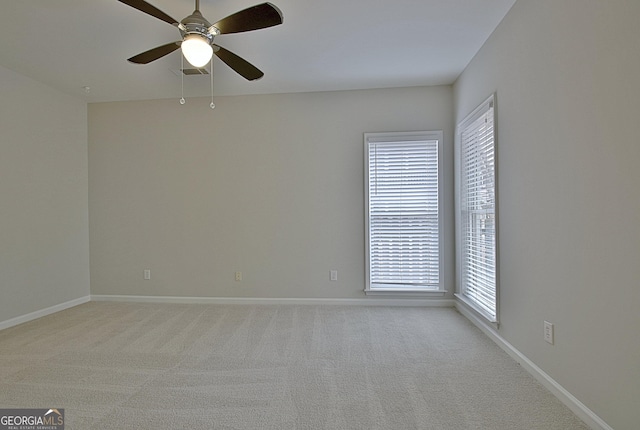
x: 403, y: 211
x: 477, y: 211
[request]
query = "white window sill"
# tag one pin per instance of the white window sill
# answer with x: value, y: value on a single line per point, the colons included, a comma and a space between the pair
x: 477, y: 310
x: 403, y: 292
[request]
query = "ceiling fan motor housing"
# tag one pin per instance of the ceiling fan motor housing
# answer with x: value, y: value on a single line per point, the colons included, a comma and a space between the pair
x: 196, y: 24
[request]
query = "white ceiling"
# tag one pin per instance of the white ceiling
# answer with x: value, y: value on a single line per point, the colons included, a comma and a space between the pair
x: 323, y: 45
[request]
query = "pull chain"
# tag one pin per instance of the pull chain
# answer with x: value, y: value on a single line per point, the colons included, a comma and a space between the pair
x: 212, y: 104
x: 182, y: 100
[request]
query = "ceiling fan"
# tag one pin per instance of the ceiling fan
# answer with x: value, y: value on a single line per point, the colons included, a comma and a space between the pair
x: 198, y: 34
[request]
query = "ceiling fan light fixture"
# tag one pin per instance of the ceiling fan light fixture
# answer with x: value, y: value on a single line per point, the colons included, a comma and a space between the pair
x: 197, y: 50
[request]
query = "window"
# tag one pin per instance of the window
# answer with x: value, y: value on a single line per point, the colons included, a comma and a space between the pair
x: 477, y: 253
x: 403, y: 216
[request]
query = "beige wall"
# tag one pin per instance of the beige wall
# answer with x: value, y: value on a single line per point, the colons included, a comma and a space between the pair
x: 566, y: 75
x: 269, y: 185
x: 44, y: 232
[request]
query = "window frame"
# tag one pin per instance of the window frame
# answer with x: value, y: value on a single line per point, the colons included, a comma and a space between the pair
x: 477, y: 113
x: 412, y: 136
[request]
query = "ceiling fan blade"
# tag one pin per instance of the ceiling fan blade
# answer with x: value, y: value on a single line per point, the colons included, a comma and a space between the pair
x: 155, y: 53
x: 145, y: 7
x: 260, y: 16
x: 241, y: 66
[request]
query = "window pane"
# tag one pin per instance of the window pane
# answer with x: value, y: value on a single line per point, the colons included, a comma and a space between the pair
x: 478, y: 210
x: 403, y: 213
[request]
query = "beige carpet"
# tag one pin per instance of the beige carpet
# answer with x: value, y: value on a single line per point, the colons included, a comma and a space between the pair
x: 171, y: 366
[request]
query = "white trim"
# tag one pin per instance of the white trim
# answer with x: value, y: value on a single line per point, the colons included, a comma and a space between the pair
x: 476, y: 309
x: 401, y: 292
x: 577, y: 407
x: 43, y: 312
x: 277, y: 301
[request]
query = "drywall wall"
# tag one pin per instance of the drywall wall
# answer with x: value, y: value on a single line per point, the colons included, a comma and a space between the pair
x: 271, y: 186
x: 566, y: 77
x: 44, y: 228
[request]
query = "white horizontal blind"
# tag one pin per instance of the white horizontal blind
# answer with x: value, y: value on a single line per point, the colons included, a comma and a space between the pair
x: 478, y: 210
x: 403, y: 214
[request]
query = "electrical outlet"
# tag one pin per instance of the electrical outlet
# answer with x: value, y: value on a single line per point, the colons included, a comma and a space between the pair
x: 147, y: 274
x: 238, y: 276
x: 334, y: 275
x: 548, y: 332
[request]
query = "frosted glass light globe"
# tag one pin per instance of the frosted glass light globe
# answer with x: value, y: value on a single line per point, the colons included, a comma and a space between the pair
x: 197, y: 50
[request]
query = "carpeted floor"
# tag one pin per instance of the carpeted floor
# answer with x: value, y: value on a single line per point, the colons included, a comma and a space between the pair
x: 171, y: 366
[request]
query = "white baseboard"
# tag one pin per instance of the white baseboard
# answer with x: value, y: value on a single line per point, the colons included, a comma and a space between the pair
x: 43, y: 312
x: 569, y: 400
x: 277, y: 301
